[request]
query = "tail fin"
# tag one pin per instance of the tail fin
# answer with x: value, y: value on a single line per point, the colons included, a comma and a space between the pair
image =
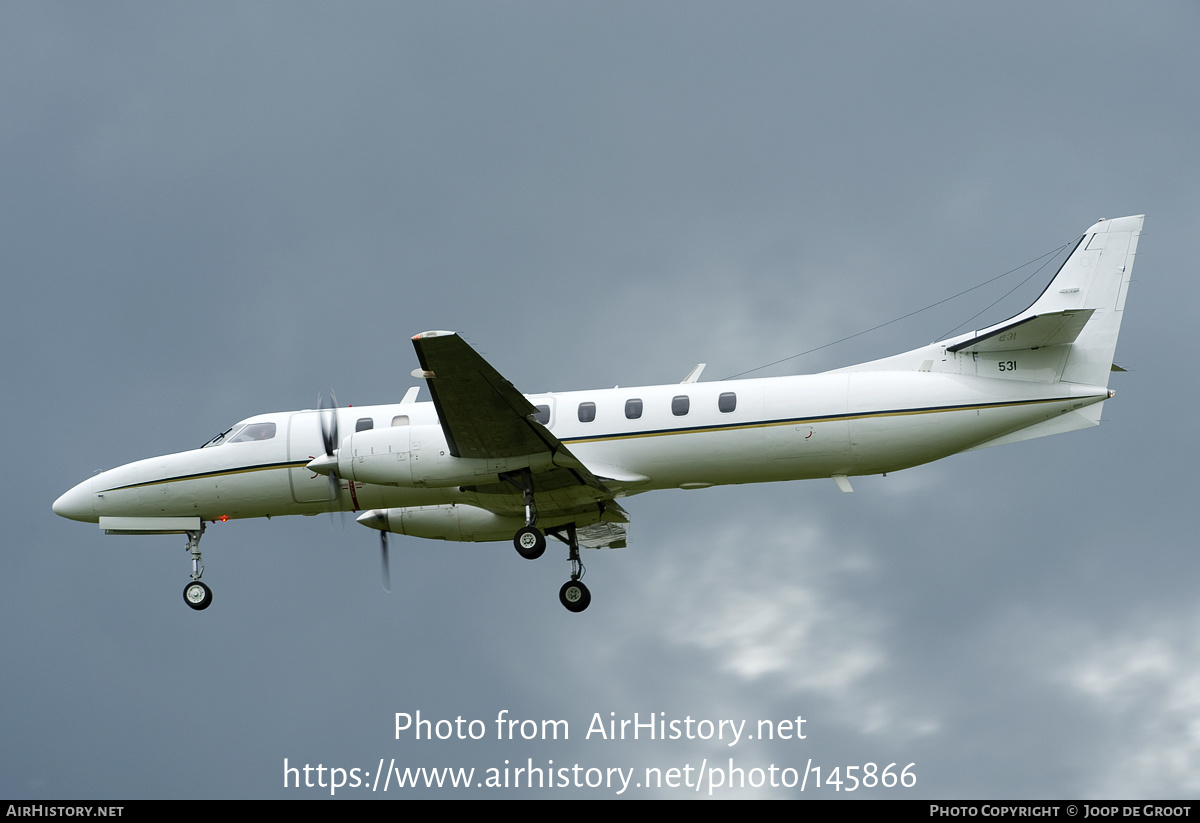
x: 1081, y: 308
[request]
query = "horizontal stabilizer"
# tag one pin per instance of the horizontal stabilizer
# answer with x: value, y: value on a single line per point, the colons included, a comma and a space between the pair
x: 1054, y: 329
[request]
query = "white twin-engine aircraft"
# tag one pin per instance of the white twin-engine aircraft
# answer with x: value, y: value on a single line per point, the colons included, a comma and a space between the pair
x: 485, y: 462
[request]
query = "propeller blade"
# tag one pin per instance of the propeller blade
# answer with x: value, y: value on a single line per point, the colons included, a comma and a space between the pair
x: 383, y: 554
x: 335, y: 488
x: 329, y: 438
x: 329, y: 423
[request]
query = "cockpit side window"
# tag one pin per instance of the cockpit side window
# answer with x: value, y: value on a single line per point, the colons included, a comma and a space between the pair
x: 253, y: 431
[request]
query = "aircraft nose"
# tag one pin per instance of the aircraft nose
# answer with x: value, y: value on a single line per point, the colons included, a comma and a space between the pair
x: 77, y: 504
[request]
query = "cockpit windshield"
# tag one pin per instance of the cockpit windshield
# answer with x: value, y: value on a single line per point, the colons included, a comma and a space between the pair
x: 253, y: 431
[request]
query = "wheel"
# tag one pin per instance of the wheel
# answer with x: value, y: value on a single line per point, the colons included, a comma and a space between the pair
x: 575, y: 596
x: 530, y: 543
x: 197, y: 595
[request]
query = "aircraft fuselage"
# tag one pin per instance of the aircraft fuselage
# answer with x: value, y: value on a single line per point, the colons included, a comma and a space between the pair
x: 775, y: 429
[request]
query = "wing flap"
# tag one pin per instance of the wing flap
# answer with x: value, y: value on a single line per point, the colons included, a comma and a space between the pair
x: 557, y: 491
x: 603, y: 536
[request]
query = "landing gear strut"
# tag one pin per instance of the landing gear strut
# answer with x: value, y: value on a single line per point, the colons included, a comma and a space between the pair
x: 573, y: 594
x: 529, y: 540
x: 196, y: 594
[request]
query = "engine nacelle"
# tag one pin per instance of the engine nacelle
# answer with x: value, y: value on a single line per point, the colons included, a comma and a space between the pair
x: 461, y: 522
x: 458, y: 522
x: 418, y: 456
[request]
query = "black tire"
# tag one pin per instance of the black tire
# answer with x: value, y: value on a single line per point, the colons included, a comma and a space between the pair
x: 575, y: 596
x: 530, y: 543
x: 197, y: 595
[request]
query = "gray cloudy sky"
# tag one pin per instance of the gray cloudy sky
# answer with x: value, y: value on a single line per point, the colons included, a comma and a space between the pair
x: 215, y: 210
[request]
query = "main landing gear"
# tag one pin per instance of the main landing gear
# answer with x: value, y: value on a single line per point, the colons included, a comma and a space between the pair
x: 529, y: 540
x: 573, y: 594
x: 196, y: 594
x: 530, y: 543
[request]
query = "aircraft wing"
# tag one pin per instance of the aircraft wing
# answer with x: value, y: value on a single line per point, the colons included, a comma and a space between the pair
x: 484, y: 416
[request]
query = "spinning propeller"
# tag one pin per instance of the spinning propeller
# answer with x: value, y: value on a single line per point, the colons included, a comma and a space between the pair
x: 328, y: 465
x: 383, y: 555
x: 329, y: 437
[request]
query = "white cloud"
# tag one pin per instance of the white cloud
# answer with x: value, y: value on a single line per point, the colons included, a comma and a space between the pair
x: 1145, y: 684
x: 786, y: 609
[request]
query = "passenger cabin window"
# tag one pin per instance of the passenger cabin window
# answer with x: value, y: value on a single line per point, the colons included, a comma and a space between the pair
x: 587, y: 412
x: 542, y: 415
x: 400, y: 420
x: 364, y: 424
x: 633, y: 408
x: 680, y: 405
x: 254, y: 431
x: 727, y: 402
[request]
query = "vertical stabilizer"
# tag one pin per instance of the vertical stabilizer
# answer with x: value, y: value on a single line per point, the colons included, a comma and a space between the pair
x: 1068, y: 335
x: 1096, y: 277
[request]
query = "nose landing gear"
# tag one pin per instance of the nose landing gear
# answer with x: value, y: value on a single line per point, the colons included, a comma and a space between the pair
x: 197, y: 594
